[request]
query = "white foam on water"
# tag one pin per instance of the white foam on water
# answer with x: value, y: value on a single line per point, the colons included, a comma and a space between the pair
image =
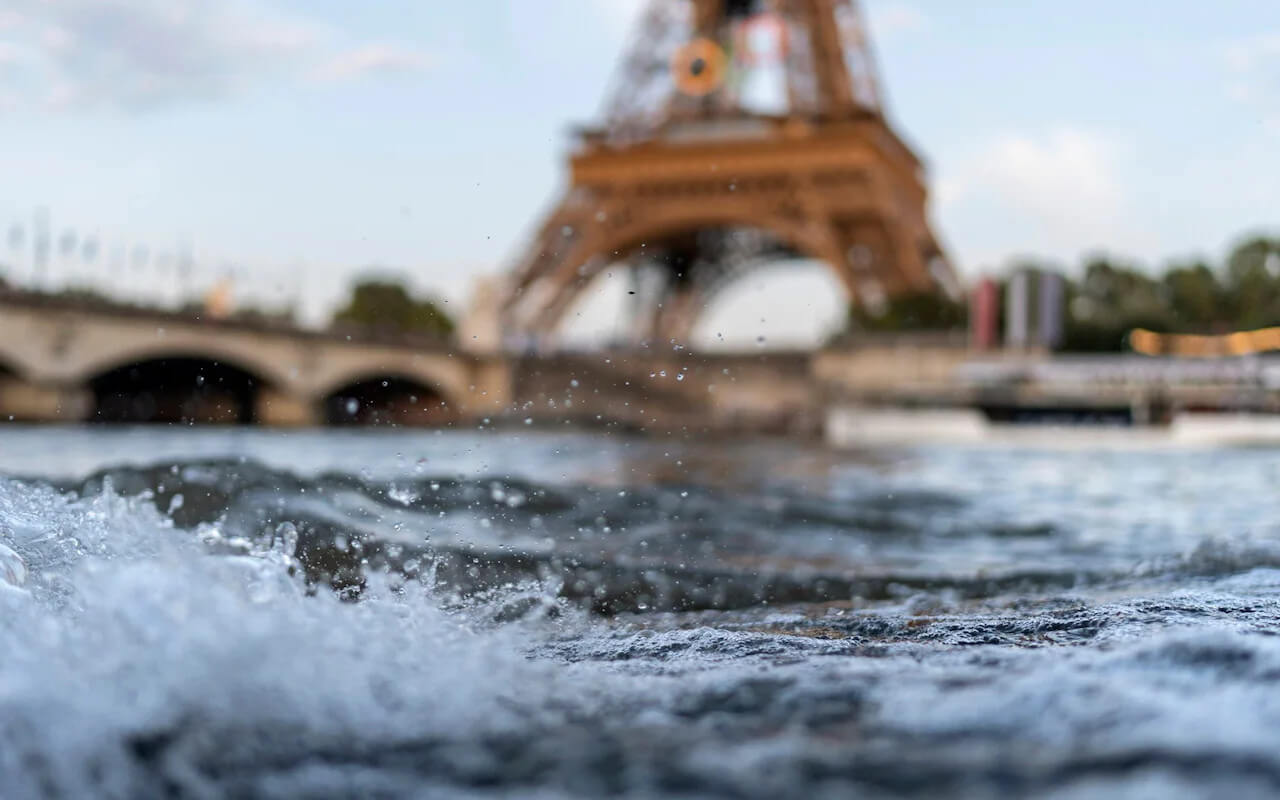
x: 129, y: 630
x: 137, y: 659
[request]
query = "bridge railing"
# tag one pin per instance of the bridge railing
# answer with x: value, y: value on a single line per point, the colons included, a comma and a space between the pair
x: 106, y: 307
x: 1123, y: 370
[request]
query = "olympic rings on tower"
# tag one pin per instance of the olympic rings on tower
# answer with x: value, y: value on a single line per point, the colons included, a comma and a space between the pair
x: 700, y: 67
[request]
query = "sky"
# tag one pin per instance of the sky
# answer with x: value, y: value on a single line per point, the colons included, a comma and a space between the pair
x: 292, y: 144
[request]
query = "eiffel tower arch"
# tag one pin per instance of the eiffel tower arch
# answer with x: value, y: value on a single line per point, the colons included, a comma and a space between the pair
x: 738, y: 133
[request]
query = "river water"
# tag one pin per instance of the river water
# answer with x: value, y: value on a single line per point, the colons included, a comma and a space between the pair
x: 208, y: 613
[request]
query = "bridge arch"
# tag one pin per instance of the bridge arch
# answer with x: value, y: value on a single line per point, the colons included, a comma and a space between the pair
x: 388, y: 399
x: 88, y: 358
x: 17, y: 358
x: 175, y: 387
x: 449, y: 377
x: 584, y: 262
x: 771, y: 305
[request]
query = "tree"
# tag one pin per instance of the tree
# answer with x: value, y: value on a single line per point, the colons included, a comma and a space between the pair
x: 387, y: 306
x: 1253, y: 281
x: 1198, y: 301
x: 1109, y: 301
x: 929, y: 311
x: 1112, y: 297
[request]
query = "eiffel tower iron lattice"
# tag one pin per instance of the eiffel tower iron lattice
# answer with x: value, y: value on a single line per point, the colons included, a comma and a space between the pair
x: 738, y: 133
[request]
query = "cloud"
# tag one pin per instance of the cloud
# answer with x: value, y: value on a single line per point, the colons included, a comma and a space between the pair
x: 11, y: 54
x: 371, y: 59
x: 890, y: 18
x: 1066, y: 174
x: 1252, y: 51
x: 141, y: 54
x: 1055, y: 193
x: 1253, y: 66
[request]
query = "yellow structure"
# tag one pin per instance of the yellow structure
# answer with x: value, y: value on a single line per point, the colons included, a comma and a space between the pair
x: 1238, y: 343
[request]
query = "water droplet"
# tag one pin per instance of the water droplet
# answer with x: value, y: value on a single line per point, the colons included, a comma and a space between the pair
x: 285, y: 540
x: 402, y: 494
x: 13, y: 570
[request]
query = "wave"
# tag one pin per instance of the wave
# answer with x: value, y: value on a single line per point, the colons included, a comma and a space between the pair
x: 152, y: 646
x: 664, y: 547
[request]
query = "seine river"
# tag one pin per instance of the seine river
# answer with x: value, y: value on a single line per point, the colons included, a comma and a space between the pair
x: 247, y: 613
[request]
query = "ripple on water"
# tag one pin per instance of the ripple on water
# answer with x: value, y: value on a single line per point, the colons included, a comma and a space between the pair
x: 776, y: 642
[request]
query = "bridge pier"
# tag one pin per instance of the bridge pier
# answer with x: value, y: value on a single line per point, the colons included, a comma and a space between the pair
x: 62, y: 362
x: 491, y: 391
x: 275, y: 408
x: 24, y: 401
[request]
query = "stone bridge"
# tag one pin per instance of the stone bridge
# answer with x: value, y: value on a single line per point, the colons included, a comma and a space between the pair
x: 62, y: 362
x: 672, y: 391
x: 69, y: 362
x: 74, y: 363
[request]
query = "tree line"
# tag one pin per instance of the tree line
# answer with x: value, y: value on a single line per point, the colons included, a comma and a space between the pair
x: 378, y: 306
x: 1107, y: 298
x: 386, y: 306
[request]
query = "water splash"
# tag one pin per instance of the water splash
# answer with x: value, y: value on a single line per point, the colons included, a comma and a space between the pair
x: 787, y: 647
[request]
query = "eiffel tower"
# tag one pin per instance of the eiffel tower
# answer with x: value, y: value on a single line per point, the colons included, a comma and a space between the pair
x: 738, y: 133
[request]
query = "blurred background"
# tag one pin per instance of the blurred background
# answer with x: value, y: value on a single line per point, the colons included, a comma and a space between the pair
x: 257, y: 157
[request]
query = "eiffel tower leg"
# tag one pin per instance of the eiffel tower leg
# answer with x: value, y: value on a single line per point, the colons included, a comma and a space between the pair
x: 847, y: 256
x: 649, y: 289
x: 908, y: 265
x: 870, y: 260
x: 678, y: 316
x: 547, y: 315
x: 564, y: 237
